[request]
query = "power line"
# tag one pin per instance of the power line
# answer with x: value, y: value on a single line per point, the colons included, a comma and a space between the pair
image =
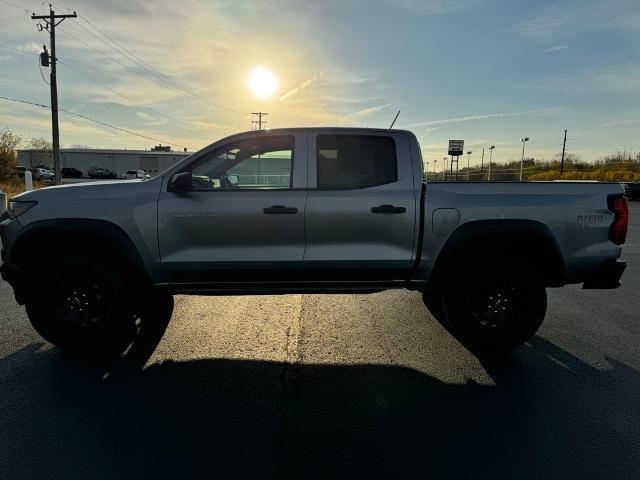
x: 123, y: 129
x: 124, y: 96
x: 120, y: 49
x: 24, y: 101
x: 140, y: 104
x: 113, y: 59
x: 12, y: 48
x: 73, y: 114
x: 132, y: 58
x: 15, y: 6
x: 125, y: 56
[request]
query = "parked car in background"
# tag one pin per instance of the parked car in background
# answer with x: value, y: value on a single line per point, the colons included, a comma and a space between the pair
x: 632, y: 190
x: 70, y: 172
x: 136, y: 174
x: 100, y: 172
x: 43, y: 174
x: 20, y: 170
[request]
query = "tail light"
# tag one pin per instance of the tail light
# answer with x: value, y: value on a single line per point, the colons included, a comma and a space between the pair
x: 620, y: 208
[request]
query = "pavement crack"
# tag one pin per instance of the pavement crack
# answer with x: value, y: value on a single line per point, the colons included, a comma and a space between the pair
x: 290, y: 388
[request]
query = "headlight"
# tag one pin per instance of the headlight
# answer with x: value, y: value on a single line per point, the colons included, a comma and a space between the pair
x: 17, y: 208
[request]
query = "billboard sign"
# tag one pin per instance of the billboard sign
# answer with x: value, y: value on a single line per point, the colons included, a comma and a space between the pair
x: 456, y: 147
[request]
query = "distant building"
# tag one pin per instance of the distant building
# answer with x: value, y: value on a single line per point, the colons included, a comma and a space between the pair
x: 153, y: 161
x: 161, y: 148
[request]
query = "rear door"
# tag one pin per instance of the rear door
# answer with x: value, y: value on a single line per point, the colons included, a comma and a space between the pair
x: 361, y: 207
x: 243, y: 220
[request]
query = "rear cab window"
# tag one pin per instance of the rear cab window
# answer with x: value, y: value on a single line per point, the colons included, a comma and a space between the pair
x: 347, y: 162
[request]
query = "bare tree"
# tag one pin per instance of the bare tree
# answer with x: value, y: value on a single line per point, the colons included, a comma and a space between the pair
x: 41, y: 152
x: 39, y: 143
x: 9, y: 141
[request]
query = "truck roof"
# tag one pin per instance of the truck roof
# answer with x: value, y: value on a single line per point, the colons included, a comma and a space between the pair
x: 332, y: 129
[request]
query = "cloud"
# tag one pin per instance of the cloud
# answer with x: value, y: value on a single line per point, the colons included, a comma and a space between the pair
x: 470, y: 118
x: 541, y: 29
x: 30, y: 47
x: 144, y: 116
x: 432, y: 7
x: 621, y: 123
x: 556, y: 48
x: 623, y: 79
x: 367, y: 111
x: 578, y: 17
x: 302, y: 86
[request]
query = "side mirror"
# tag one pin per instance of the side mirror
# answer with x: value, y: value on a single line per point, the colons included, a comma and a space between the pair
x: 180, y: 182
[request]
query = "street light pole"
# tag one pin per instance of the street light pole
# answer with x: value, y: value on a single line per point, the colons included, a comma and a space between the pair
x: 481, y: 164
x: 490, y: 158
x: 468, y: 158
x: 434, y: 169
x: 524, y: 142
x: 445, y: 167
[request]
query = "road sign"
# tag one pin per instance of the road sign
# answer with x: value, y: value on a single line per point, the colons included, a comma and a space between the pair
x: 456, y: 147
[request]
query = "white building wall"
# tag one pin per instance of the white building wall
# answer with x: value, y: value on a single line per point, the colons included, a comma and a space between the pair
x: 118, y: 161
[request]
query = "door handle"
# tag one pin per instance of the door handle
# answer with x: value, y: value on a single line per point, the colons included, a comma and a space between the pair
x: 388, y: 209
x: 279, y: 210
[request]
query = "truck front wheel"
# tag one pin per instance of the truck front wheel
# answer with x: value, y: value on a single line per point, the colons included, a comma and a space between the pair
x: 495, y: 304
x: 82, y: 303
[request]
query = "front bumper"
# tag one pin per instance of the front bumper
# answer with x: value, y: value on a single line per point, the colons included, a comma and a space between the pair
x: 8, y: 271
x: 10, y: 274
x: 606, y: 276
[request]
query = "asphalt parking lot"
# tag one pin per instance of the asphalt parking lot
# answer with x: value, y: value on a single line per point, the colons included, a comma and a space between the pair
x: 350, y: 386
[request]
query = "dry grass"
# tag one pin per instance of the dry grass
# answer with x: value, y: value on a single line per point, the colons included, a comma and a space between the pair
x: 14, y: 186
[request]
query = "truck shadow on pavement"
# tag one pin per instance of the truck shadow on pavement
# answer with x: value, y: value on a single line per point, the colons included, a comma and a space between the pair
x: 549, y: 415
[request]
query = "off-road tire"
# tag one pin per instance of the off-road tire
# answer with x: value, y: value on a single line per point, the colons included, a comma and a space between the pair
x: 495, y: 304
x: 82, y: 303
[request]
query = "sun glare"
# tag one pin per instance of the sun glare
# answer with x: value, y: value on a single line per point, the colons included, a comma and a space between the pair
x: 262, y: 82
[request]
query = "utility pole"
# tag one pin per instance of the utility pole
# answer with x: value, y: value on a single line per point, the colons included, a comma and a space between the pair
x: 257, y: 124
x: 490, y: 159
x: 468, y: 158
x: 524, y: 142
x: 52, y: 21
x: 481, y: 164
x: 445, y: 159
x: 564, y: 145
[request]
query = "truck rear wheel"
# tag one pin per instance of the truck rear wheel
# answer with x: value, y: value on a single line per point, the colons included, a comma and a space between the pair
x: 82, y: 303
x: 495, y: 304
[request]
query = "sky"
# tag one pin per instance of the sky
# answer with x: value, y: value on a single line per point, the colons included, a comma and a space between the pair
x: 486, y: 71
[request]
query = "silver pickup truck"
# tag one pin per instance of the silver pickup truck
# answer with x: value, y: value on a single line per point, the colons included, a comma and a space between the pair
x: 309, y: 210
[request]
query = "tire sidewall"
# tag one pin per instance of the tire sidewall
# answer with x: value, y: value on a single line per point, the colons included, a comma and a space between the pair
x: 462, y: 290
x: 116, y: 328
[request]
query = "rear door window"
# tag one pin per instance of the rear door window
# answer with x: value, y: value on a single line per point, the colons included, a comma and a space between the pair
x: 346, y: 162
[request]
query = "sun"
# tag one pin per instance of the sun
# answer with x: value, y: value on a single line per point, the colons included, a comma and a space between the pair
x: 262, y: 82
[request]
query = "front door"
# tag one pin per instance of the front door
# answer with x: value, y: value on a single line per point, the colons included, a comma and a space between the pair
x: 243, y: 219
